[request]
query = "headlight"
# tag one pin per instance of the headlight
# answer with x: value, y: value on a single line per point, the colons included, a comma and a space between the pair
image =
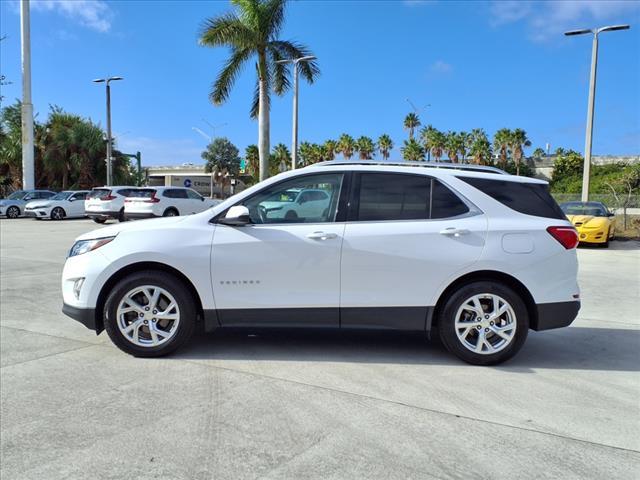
x: 84, y: 246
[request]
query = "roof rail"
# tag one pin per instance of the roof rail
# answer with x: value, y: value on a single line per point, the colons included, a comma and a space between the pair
x: 450, y: 166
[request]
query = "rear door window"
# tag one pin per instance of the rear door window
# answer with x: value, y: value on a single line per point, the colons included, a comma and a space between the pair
x: 396, y: 196
x: 175, y: 193
x: 528, y: 198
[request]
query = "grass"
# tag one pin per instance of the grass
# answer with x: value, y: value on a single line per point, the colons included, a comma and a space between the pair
x: 632, y: 232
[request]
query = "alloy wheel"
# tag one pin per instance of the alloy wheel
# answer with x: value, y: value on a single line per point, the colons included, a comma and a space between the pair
x: 13, y: 212
x: 485, y: 323
x: 148, y: 316
x: 57, y: 214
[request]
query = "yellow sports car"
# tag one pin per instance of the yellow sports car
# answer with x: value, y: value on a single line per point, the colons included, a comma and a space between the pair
x: 593, y: 221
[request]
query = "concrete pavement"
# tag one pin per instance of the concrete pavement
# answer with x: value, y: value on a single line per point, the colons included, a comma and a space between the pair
x: 308, y: 405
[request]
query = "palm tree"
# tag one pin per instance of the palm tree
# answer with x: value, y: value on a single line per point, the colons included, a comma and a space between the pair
x: 412, y: 150
x: 465, y: 140
x: 411, y: 122
x: 346, y: 146
x: 252, y: 32
x: 306, y: 153
x: 426, y: 137
x: 252, y: 160
x: 365, y: 147
x: 539, y: 153
x: 519, y: 142
x: 282, y: 156
x: 453, y: 145
x: 480, y: 148
x: 385, y: 145
x: 330, y: 148
x: 501, y: 143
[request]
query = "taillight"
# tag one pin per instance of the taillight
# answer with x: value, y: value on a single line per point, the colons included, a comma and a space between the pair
x: 108, y: 197
x: 153, y: 199
x: 567, y: 236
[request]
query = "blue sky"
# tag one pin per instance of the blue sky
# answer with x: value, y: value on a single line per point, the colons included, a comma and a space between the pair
x: 479, y: 64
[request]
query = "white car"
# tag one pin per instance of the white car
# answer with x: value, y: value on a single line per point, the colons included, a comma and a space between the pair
x: 103, y: 203
x: 470, y: 253
x: 66, y: 204
x: 13, y: 205
x: 295, y: 203
x: 153, y: 202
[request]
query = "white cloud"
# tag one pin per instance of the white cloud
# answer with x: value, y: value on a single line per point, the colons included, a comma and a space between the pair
x: 441, y: 67
x: 549, y: 19
x: 93, y: 14
x: 163, y: 151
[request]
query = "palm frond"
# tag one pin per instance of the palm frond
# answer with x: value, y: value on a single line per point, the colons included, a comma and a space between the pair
x: 290, y: 50
x: 273, y: 16
x: 226, y: 30
x: 279, y: 73
x: 227, y: 77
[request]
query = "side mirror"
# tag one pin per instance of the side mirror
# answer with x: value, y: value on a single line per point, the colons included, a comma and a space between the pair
x: 202, y: 198
x: 237, y: 216
x: 71, y: 199
x: 611, y: 214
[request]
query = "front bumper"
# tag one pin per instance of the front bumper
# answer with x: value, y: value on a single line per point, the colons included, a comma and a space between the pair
x: 593, y: 235
x: 40, y: 213
x: 555, y: 315
x: 86, y: 316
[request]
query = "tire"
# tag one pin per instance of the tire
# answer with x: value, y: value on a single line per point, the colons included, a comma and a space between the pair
x: 13, y: 212
x: 99, y: 220
x: 291, y: 215
x: 121, y: 215
x: 606, y: 242
x: 141, y: 343
x: 496, y: 348
x: 171, y: 212
x: 57, y: 213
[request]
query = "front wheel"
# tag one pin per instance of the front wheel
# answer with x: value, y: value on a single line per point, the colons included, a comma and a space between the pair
x: 149, y: 314
x: 484, y: 323
x: 57, y: 214
x: 122, y: 217
x: 13, y: 212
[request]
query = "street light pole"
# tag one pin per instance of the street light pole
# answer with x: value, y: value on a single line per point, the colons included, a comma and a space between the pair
x: 294, y: 133
x: 592, y: 98
x: 28, y: 176
x: 107, y: 81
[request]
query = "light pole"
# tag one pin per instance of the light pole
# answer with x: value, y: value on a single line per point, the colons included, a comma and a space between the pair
x: 214, y: 128
x: 109, y: 159
x: 294, y: 134
x: 592, y: 98
x: 28, y: 177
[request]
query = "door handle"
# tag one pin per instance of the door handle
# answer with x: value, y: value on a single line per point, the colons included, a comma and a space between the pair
x: 454, y: 232
x: 321, y: 236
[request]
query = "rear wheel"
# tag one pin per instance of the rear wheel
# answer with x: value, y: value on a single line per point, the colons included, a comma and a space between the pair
x: 170, y: 212
x: 121, y: 215
x: 99, y: 219
x: 13, y: 212
x: 484, y: 323
x: 149, y: 314
x: 57, y: 213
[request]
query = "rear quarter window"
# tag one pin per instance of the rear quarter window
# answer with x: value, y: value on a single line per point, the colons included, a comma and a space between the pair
x: 528, y: 198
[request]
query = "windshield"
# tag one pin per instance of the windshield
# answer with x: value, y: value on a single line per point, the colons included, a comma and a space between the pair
x: 143, y: 193
x: 578, y: 208
x: 99, y: 193
x: 61, y: 196
x: 17, y: 195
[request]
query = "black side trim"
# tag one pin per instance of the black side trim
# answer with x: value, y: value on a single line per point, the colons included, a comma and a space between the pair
x: 86, y: 316
x: 280, y: 317
x: 555, y: 315
x: 393, y: 318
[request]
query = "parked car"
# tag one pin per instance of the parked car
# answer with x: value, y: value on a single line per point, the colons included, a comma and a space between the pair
x: 103, y: 203
x: 165, y: 202
x: 593, y: 221
x: 297, y: 203
x: 470, y: 254
x: 13, y: 205
x: 66, y: 204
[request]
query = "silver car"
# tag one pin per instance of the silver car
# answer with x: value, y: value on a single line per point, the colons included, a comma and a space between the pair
x: 13, y: 205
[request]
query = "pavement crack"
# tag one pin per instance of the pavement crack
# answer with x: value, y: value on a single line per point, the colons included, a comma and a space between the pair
x: 48, y: 356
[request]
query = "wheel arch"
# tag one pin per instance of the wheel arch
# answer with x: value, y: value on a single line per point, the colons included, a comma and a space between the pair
x: 485, y: 275
x: 136, y: 267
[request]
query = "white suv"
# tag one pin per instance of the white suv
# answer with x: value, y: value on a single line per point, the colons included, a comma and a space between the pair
x: 165, y: 202
x: 103, y: 203
x: 471, y: 253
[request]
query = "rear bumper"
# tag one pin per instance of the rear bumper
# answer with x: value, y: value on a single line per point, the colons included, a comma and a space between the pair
x: 102, y: 214
x: 140, y: 215
x: 555, y: 315
x: 86, y: 316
